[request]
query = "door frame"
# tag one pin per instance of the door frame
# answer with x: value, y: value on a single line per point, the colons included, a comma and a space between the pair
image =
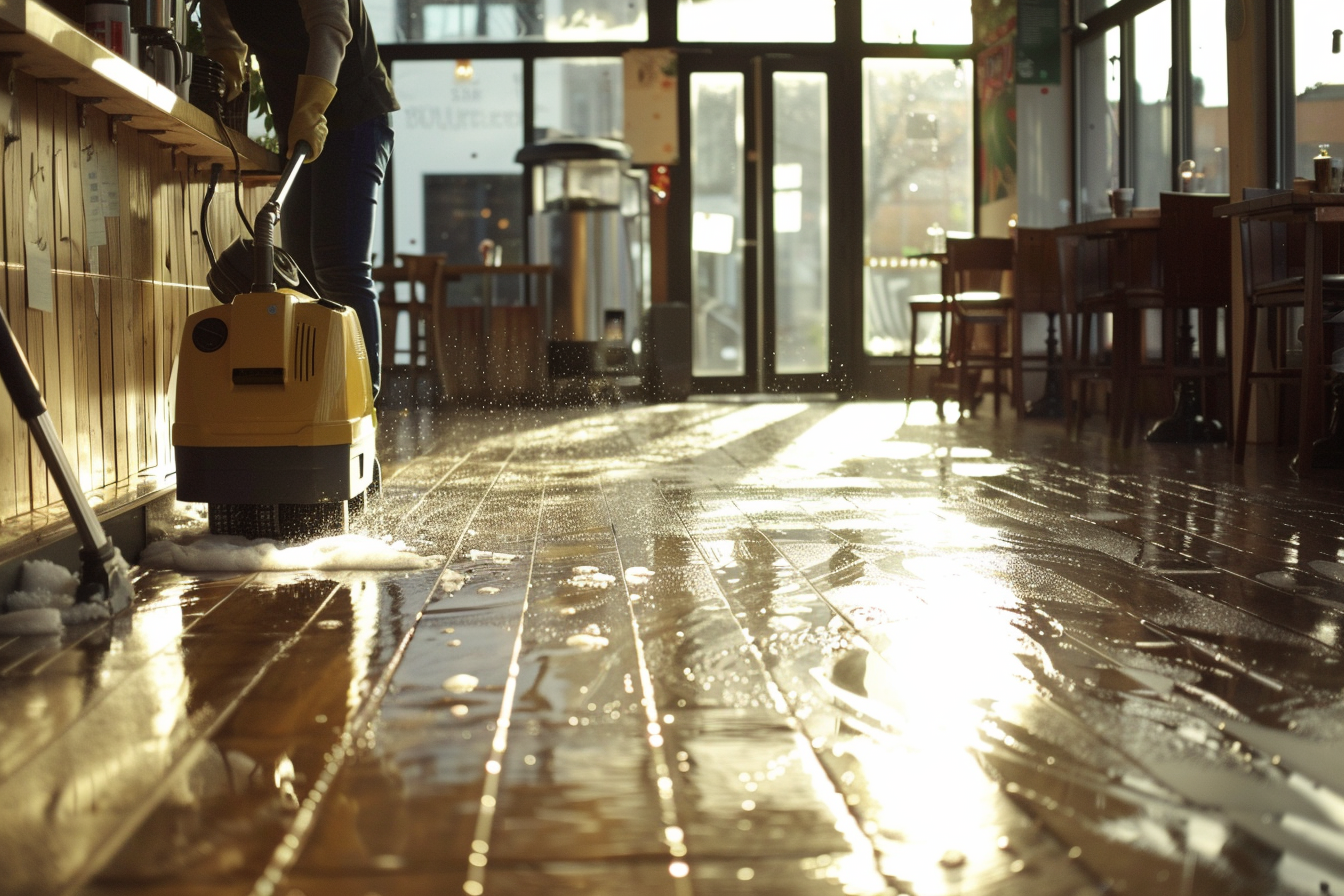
x: 758, y: 216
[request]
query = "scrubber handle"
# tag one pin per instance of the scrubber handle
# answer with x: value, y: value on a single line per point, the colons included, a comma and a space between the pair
x: 263, y: 238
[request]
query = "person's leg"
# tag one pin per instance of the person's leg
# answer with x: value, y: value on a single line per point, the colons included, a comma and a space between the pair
x: 341, y: 202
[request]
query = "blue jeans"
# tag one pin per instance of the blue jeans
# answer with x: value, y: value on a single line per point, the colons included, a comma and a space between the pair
x: 327, y: 223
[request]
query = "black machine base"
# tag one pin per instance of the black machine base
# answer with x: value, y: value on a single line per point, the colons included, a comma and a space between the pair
x: 293, y: 522
x: 275, y: 475
x: 566, y: 359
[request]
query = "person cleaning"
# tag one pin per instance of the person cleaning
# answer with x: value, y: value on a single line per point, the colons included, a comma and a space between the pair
x: 327, y: 86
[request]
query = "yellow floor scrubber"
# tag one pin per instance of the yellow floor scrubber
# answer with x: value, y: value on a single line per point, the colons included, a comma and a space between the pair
x: 275, y: 421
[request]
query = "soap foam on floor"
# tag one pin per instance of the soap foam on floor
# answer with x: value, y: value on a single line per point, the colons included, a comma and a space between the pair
x: 44, y: 602
x: 229, y: 553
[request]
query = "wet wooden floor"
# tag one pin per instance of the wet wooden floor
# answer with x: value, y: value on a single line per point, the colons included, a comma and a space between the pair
x: 873, y: 655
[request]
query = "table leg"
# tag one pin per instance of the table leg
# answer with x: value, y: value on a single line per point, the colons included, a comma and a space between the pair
x: 1187, y: 422
x: 1327, y: 453
x: 1051, y: 403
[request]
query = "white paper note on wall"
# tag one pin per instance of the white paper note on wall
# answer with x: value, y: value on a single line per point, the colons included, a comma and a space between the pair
x: 36, y: 249
x: 37, y: 259
x: 94, y: 214
x: 109, y: 183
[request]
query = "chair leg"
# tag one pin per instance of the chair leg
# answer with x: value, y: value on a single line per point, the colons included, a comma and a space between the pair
x: 1247, y: 366
x: 1019, y: 394
x: 998, y: 367
x: 910, y: 369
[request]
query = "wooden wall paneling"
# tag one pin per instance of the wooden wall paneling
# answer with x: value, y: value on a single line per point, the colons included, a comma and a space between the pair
x: 13, y: 432
x: 36, y: 196
x: 129, y: 304
x: 197, y: 263
x: 136, y: 221
x: 181, y: 267
x: 48, y: 103
x: 55, y: 100
x: 179, y: 295
x: 116, y: 430
x: 155, y: 186
x: 87, y: 338
x: 174, y: 293
x: 146, y: 273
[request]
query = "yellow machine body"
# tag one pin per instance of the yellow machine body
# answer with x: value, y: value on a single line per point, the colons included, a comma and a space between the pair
x: 274, y: 403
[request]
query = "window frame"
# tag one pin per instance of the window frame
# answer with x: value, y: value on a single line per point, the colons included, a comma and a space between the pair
x: 1122, y: 16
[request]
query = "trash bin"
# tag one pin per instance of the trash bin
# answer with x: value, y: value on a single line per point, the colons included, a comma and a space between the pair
x: 579, y: 228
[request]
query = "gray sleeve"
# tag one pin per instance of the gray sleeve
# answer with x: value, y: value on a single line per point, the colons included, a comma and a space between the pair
x: 329, y: 31
x: 217, y: 28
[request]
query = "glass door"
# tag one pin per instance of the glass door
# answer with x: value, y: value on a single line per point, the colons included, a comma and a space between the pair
x: 759, y: 226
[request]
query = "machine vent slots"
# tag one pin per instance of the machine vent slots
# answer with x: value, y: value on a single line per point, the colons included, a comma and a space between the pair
x: 305, y: 352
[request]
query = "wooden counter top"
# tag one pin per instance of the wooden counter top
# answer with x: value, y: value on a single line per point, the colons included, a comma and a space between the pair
x: 53, y: 48
x: 1324, y: 207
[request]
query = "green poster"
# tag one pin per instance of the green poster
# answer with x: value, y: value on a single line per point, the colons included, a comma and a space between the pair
x: 1038, y: 42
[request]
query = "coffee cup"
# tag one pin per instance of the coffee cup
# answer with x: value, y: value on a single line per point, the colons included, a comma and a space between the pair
x: 1122, y: 201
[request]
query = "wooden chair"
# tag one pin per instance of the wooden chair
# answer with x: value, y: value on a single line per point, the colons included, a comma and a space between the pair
x: 1196, y: 255
x: 980, y: 326
x: 1036, y: 291
x: 421, y: 272
x: 942, y: 307
x: 1086, y: 299
x: 1118, y: 279
x: 1273, y: 263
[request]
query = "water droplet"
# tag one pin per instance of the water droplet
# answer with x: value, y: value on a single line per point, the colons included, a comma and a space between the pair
x: 461, y: 684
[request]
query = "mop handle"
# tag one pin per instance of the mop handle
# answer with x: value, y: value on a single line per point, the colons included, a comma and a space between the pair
x: 23, y: 390
x: 263, y: 239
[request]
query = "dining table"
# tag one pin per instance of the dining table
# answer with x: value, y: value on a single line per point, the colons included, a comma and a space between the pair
x: 1314, y: 211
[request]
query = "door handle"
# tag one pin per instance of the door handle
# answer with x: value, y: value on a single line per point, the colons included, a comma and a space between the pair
x: 746, y: 244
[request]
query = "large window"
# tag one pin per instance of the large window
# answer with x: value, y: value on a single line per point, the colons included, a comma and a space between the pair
x: 578, y: 98
x: 885, y: 22
x: 718, y: 211
x: 1140, y: 114
x: 1099, y: 123
x: 1152, y: 104
x: 1208, y: 98
x: 1318, y: 82
x: 790, y: 21
x: 919, y: 188
x: 467, y: 21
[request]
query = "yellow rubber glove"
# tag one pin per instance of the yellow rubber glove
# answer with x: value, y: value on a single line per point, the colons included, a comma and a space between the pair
x: 235, y: 70
x: 310, y: 113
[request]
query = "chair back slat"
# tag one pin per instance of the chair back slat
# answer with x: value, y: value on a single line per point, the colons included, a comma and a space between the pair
x: 979, y: 262
x: 1036, y: 271
x: 1196, y: 251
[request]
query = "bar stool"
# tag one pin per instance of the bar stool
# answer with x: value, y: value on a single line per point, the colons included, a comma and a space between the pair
x: 421, y: 273
x: 1273, y: 264
x: 1036, y: 291
x: 928, y: 304
x: 981, y: 317
x: 1086, y: 299
x: 1196, y: 252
